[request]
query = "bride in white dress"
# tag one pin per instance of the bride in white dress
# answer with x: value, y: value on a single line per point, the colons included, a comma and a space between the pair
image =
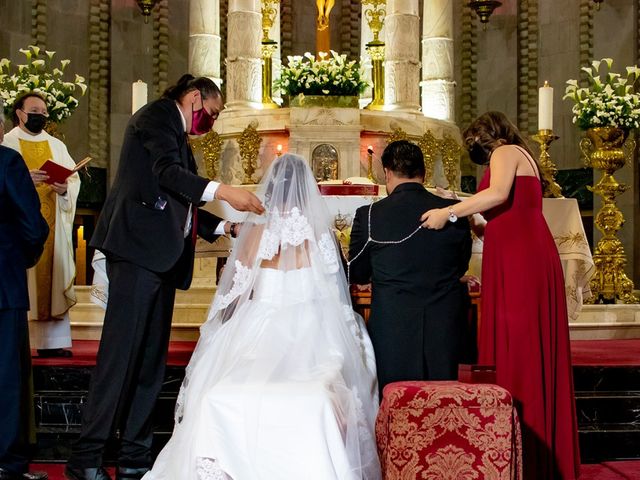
x: 282, y: 383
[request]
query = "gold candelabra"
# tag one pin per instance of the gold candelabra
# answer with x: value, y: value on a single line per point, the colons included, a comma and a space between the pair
x: 548, y: 169
x: 269, y: 12
x: 375, y: 16
x: 606, y: 150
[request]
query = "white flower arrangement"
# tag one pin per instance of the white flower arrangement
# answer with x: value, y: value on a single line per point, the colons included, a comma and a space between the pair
x: 41, y: 76
x: 332, y: 74
x: 608, y: 101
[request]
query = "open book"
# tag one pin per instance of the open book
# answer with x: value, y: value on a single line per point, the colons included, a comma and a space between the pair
x: 58, y: 173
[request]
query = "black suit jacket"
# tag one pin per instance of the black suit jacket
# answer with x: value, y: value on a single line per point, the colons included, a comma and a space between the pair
x: 419, y: 305
x: 144, y: 215
x: 23, y: 230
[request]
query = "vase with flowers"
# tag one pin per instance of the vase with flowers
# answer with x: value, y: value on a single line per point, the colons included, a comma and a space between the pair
x: 39, y: 74
x: 327, y: 81
x: 607, y: 109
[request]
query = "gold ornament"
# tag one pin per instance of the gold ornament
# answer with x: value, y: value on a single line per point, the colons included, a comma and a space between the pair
x: 375, y: 16
x: 210, y: 145
x: 397, y: 134
x: 429, y: 146
x: 548, y: 169
x: 450, y: 150
x: 249, y: 143
x: 607, y: 149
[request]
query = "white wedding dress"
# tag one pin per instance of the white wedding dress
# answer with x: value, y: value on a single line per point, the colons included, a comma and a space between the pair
x: 282, y: 384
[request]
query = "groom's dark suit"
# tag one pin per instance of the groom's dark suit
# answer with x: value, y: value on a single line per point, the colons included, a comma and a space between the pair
x: 23, y: 232
x: 419, y: 306
x: 143, y: 231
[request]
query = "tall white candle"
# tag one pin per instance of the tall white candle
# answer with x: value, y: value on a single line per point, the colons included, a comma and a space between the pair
x: 545, y: 107
x: 138, y: 95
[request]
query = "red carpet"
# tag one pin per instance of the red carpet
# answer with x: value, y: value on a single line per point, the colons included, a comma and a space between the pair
x: 605, y: 471
x: 606, y: 352
x: 85, y: 351
x: 583, y: 352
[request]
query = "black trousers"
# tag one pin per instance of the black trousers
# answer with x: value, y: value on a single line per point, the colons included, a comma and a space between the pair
x: 130, y: 367
x: 15, y: 364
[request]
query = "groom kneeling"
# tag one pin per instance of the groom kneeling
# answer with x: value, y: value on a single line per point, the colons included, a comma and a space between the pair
x: 418, y: 322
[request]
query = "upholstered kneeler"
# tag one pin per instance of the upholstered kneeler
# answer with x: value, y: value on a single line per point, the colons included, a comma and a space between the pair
x: 447, y: 431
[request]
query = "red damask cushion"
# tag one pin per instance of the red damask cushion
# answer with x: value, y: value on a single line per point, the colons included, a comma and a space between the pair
x: 448, y: 431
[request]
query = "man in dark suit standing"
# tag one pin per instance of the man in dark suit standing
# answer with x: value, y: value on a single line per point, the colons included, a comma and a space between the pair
x: 147, y: 232
x: 23, y: 231
x: 418, y: 323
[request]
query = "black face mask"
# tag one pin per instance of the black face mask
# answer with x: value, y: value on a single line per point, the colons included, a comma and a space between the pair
x: 477, y: 154
x: 35, y: 122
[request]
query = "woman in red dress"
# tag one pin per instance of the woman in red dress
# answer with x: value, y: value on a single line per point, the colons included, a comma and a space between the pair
x: 524, y: 330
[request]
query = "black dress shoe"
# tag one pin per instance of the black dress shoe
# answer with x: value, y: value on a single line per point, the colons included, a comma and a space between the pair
x: 7, y: 475
x: 126, y: 473
x: 75, y: 473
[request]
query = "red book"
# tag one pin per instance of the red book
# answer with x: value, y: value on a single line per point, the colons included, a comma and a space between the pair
x: 57, y: 173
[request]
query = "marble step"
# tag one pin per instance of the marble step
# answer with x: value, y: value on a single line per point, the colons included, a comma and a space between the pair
x: 607, y: 322
x: 595, y: 409
x: 606, y: 379
x: 609, y: 442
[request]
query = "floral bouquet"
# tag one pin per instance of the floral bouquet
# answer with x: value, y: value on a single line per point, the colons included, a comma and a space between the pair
x: 332, y: 74
x: 41, y: 76
x: 608, y: 101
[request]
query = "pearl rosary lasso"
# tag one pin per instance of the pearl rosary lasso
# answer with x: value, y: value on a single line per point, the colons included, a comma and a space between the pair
x: 379, y: 242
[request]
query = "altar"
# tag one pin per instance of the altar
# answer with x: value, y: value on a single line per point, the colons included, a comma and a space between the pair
x: 562, y: 216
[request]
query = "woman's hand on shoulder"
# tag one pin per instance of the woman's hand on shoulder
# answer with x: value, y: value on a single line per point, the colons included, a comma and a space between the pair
x: 435, y: 218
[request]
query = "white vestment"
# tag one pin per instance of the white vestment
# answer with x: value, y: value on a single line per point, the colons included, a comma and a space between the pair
x: 54, y: 332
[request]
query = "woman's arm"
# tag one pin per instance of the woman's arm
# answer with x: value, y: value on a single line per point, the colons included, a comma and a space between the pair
x: 503, y: 164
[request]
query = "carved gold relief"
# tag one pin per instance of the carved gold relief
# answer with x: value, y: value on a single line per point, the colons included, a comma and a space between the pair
x: 210, y: 145
x: 450, y: 150
x: 249, y: 143
x: 429, y: 146
x: 397, y: 134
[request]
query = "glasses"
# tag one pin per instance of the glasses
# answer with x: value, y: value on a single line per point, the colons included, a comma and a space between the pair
x: 45, y: 113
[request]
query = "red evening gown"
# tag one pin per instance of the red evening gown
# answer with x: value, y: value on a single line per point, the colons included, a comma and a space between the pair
x: 525, y: 330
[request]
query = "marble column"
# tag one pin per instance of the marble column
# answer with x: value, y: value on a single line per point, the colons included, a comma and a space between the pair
x: 402, y: 64
x: 244, y: 62
x: 204, y: 39
x: 437, y: 60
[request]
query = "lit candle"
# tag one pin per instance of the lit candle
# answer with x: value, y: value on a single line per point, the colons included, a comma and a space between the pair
x: 138, y: 95
x: 279, y: 149
x: 545, y: 107
x: 370, y: 149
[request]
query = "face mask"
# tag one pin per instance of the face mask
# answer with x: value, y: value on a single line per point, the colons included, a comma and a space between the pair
x: 35, y: 122
x: 478, y: 155
x: 201, y: 122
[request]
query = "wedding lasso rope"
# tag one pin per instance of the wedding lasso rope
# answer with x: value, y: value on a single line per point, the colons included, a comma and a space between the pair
x: 379, y: 242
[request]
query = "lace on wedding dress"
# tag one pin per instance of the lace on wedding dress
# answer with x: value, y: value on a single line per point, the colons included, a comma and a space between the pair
x: 209, y: 469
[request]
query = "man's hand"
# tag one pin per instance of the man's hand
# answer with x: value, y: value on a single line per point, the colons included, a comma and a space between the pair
x: 240, y: 199
x: 59, y: 188
x: 38, y: 176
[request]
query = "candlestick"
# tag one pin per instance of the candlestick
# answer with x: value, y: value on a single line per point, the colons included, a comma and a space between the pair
x: 138, y: 96
x: 370, y: 163
x: 547, y: 168
x: 279, y: 149
x: 545, y: 107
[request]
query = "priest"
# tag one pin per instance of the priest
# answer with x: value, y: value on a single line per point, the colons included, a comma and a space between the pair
x: 51, y: 292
